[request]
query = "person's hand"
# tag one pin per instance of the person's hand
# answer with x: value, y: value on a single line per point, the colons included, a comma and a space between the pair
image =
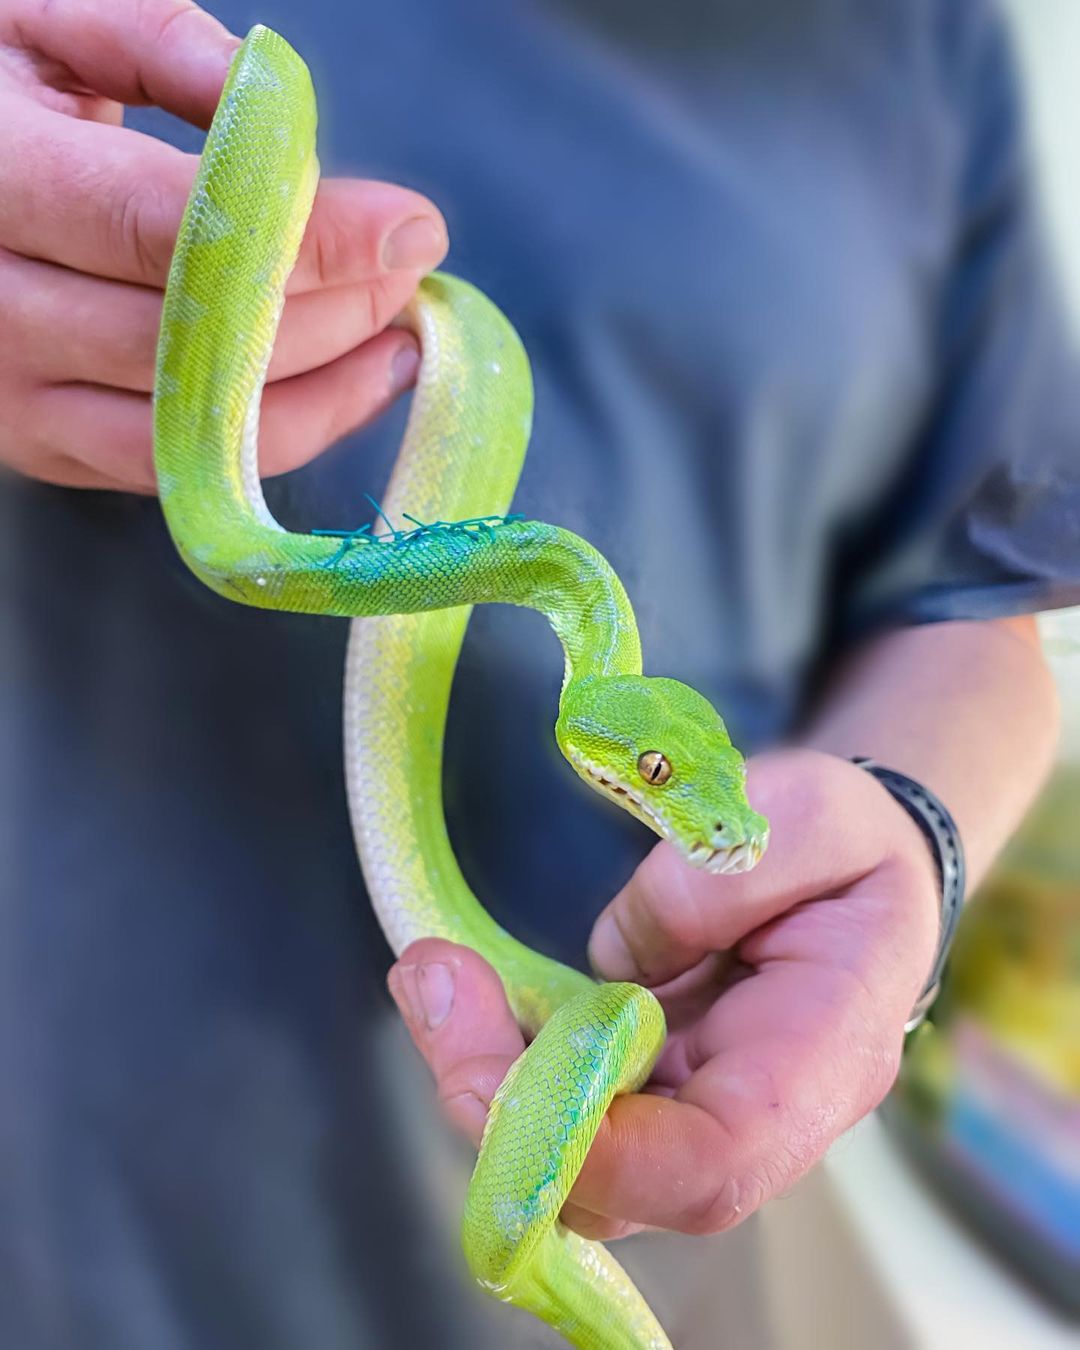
x: 88, y: 218
x: 786, y: 989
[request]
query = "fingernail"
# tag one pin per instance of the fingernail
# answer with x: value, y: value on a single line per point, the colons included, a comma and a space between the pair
x: 418, y: 243
x: 403, y: 367
x: 423, y: 993
x: 435, y: 987
x: 608, y: 953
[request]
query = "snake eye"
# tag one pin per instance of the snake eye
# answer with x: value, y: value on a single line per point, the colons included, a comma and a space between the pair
x: 654, y: 767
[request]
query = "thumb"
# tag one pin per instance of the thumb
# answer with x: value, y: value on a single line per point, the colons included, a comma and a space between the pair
x: 456, y: 1011
x: 167, y: 52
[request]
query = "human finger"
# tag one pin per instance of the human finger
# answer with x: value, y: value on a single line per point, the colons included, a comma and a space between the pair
x: 167, y: 52
x: 108, y: 201
x: 830, y: 825
x: 456, y: 1011
x: 109, y: 430
x: 69, y: 327
x: 749, y: 1123
x: 786, y: 1059
x: 597, y: 1227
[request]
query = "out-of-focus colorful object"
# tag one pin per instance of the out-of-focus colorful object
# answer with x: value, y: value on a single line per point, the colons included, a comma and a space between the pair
x: 988, y: 1102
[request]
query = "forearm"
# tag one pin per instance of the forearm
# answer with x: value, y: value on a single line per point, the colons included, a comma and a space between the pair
x: 969, y: 709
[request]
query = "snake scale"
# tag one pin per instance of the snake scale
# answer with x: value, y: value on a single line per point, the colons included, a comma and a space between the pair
x: 654, y: 746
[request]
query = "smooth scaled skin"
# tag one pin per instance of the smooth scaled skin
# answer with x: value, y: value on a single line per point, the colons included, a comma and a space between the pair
x: 443, y: 542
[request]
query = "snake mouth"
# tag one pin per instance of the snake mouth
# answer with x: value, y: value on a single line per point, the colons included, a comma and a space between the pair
x: 728, y: 860
x: 626, y: 797
x: 721, y: 860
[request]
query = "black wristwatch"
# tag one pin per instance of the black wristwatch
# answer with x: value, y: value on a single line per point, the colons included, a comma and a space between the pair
x: 938, y: 827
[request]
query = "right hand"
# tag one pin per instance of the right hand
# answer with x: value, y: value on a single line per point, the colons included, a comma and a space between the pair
x: 88, y: 217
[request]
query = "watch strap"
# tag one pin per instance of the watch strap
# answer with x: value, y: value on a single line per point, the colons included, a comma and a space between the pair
x: 939, y: 829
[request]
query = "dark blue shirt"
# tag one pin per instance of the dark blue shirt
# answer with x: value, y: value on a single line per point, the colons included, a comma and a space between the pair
x: 800, y: 374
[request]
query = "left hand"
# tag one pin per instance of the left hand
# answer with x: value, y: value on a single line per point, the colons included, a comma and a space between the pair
x: 786, y: 991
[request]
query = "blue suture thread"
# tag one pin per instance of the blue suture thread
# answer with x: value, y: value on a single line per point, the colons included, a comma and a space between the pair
x: 380, y: 514
x: 472, y: 528
x: 348, y: 538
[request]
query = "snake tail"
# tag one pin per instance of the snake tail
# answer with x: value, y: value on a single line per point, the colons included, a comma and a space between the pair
x: 541, y: 1124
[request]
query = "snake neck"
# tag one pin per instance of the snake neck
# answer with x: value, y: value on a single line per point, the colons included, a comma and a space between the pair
x: 559, y: 575
x: 520, y: 562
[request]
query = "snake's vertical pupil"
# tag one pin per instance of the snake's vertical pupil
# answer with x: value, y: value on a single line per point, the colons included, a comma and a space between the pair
x: 654, y: 767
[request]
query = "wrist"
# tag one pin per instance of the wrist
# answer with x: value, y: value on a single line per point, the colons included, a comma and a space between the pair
x: 941, y: 838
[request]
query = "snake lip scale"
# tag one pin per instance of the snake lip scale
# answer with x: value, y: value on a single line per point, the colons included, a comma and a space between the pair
x: 727, y: 861
x: 720, y: 859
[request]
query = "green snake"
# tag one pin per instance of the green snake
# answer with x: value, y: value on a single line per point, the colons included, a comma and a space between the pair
x: 654, y: 746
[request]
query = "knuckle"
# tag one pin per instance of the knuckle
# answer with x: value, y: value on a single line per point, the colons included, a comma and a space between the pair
x: 136, y: 227
x: 382, y: 300
x: 371, y: 302
x: 454, y: 1081
x: 817, y: 784
x: 325, y: 250
x: 826, y: 782
x: 334, y: 250
x: 734, y: 1199
x: 476, y: 1076
x: 155, y: 19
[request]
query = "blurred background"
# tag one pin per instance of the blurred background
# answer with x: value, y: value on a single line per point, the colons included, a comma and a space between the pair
x: 957, y: 1208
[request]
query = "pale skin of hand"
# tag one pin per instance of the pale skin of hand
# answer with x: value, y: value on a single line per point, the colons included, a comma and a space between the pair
x: 786, y: 988
x: 88, y: 217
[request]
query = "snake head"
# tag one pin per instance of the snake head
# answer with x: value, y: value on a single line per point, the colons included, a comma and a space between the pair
x: 661, y: 751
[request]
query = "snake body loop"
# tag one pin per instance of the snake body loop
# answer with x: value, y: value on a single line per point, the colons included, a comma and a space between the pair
x: 409, y: 592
